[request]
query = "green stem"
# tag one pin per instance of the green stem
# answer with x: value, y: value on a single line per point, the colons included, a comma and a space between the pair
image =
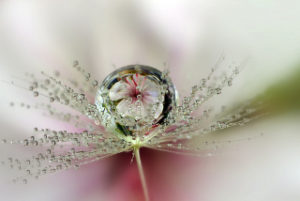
x: 141, y: 172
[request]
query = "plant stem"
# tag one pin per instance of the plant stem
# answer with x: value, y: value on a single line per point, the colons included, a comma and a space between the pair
x: 141, y: 172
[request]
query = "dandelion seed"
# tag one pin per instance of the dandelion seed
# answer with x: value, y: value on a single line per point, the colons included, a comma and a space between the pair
x: 135, y: 106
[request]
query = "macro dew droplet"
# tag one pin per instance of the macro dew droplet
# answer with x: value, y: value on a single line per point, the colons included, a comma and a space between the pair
x: 135, y: 97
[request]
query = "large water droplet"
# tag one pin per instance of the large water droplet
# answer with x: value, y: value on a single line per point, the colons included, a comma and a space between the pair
x: 135, y: 98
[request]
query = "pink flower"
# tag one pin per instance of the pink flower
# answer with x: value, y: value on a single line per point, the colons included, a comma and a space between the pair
x: 137, y: 93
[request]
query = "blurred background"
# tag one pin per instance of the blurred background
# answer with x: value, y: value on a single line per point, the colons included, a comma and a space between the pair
x: 189, y: 36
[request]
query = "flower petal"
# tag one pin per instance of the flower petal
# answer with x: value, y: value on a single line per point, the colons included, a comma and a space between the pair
x: 120, y: 90
x: 129, y: 109
x: 151, y: 92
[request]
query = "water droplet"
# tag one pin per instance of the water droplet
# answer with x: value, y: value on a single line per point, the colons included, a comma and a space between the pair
x: 95, y: 83
x: 129, y: 95
x: 35, y: 93
x: 75, y: 63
